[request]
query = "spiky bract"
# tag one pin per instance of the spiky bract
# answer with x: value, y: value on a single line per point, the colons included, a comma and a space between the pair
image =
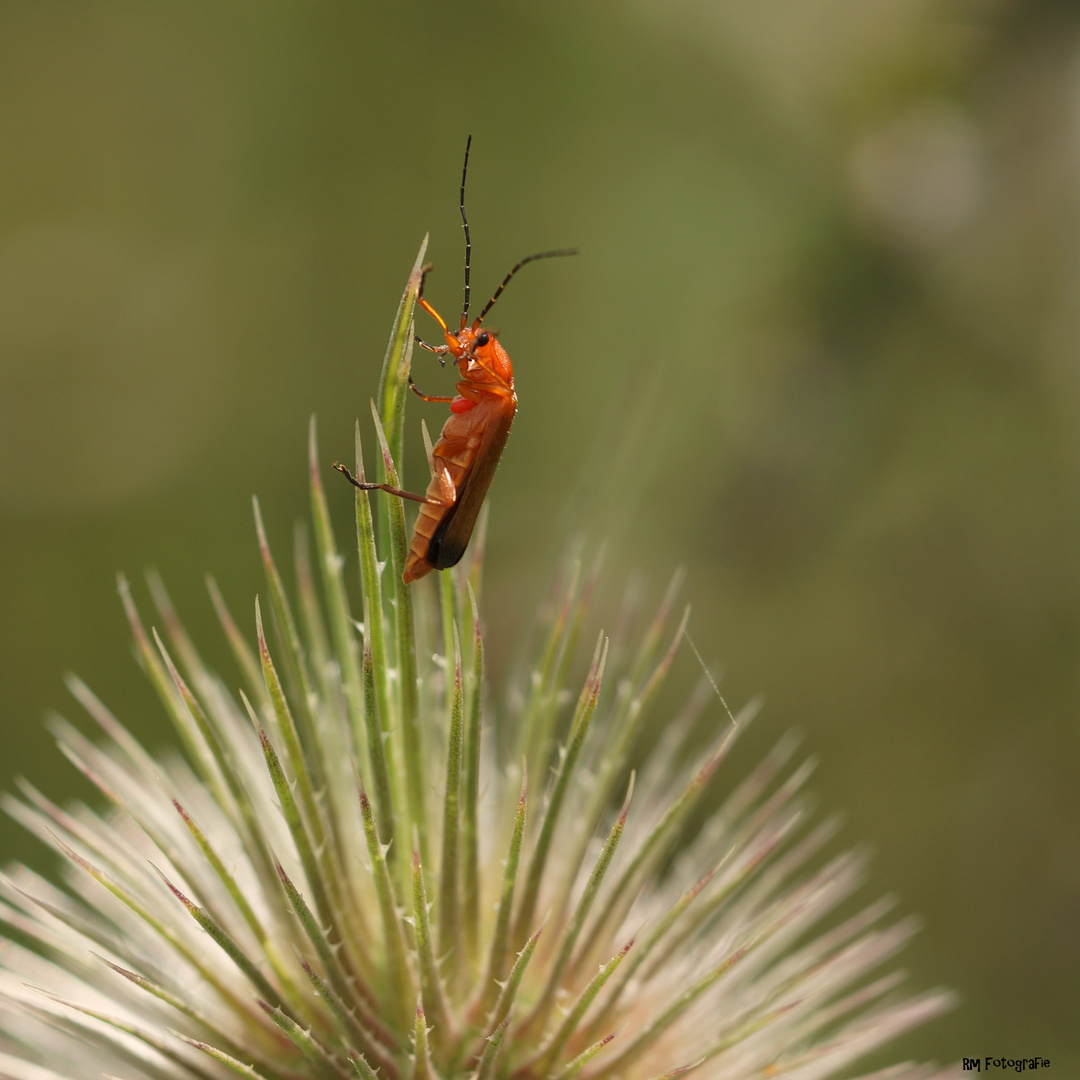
x: 359, y: 867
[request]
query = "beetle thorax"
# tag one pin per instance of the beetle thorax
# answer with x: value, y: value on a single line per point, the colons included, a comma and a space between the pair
x: 480, y: 358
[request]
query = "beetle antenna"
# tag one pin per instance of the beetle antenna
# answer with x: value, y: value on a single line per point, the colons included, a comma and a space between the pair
x: 506, y: 280
x: 468, y: 240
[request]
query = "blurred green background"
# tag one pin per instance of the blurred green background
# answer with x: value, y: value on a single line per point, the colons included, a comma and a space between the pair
x: 821, y: 348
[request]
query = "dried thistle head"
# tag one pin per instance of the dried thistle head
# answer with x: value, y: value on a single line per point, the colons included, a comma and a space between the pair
x: 357, y: 867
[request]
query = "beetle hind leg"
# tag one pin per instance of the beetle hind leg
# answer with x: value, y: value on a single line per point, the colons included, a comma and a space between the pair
x: 399, y: 492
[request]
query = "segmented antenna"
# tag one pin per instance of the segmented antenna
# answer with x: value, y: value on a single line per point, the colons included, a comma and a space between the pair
x: 468, y: 239
x: 468, y: 254
x: 506, y: 280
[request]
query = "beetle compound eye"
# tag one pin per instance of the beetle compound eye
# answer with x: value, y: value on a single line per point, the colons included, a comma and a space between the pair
x: 482, y: 339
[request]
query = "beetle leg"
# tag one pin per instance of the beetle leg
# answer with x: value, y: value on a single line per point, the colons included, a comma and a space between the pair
x: 439, y: 350
x: 399, y: 492
x: 424, y: 397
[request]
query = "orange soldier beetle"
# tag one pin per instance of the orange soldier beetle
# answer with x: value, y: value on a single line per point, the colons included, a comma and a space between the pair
x: 473, y: 437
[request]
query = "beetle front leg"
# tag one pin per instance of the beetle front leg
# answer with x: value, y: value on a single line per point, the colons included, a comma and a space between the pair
x: 439, y: 350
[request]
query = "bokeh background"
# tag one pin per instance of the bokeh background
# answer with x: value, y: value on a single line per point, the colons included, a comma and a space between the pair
x: 822, y: 348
